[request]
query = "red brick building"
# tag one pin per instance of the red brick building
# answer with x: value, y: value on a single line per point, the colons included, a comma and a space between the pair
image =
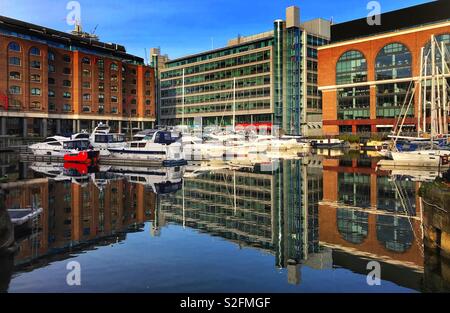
x: 54, y: 82
x: 366, y: 71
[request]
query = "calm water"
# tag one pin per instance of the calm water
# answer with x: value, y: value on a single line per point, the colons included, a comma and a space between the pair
x: 309, y: 225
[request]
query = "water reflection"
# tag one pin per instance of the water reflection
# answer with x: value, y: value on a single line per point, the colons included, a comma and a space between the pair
x: 322, y: 213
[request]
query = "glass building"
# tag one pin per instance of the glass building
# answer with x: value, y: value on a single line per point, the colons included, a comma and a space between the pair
x: 266, y: 78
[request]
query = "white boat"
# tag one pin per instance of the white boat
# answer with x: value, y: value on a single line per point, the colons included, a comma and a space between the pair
x: 422, y: 157
x: 102, y: 139
x: 60, y: 146
x: 330, y: 143
x: 195, y: 149
x: 155, y: 145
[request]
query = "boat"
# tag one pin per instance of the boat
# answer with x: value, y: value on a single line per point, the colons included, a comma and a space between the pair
x: 20, y: 217
x: 85, y: 157
x: 153, y: 145
x: 195, y: 149
x: 60, y: 146
x: 102, y: 139
x: 422, y: 157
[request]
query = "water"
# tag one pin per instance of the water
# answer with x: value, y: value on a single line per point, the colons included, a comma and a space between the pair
x: 308, y: 225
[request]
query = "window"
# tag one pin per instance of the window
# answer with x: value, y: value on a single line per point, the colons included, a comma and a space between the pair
x: 114, y: 110
x: 133, y: 101
x: 354, y: 103
x: 66, y: 58
x: 35, y: 78
x: 133, y: 91
x: 114, y: 99
x: 35, y: 64
x: 51, y: 56
x: 114, y: 67
x: 14, y: 46
x: 51, y: 81
x: 67, y: 71
x: 148, y: 102
x: 67, y: 95
x: 15, y: 90
x: 86, y: 73
x: 86, y: 108
x: 87, y: 85
x: 51, y: 106
x: 67, y: 83
x: 113, y: 78
x: 86, y: 61
x: 101, y: 86
x: 35, y: 51
x: 351, y: 68
x: 100, y: 63
x: 147, y: 74
x: 101, y: 75
x: 15, y: 75
x: 147, y: 93
x: 392, y: 62
x: 133, y: 112
x: 35, y: 91
x: 87, y: 97
x: 15, y: 104
x: 391, y: 98
x: 14, y: 61
x: 101, y: 98
x: 147, y: 82
x: 35, y: 105
x: 114, y: 88
x: 134, y: 82
x: 51, y: 93
x: 51, y: 68
x: 67, y: 107
x: 101, y: 109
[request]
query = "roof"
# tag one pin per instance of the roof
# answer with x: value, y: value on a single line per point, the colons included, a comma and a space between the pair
x: 423, y: 14
x: 56, y: 36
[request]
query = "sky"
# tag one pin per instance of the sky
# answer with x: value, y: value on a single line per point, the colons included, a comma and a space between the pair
x: 181, y: 27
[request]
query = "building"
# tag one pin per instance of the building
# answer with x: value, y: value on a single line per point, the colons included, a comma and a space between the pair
x: 54, y: 82
x: 366, y: 71
x: 268, y: 78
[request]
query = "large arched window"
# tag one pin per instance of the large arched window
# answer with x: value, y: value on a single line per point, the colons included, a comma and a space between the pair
x: 353, y: 102
x: 351, y: 68
x: 353, y: 225
x: 393, y: 62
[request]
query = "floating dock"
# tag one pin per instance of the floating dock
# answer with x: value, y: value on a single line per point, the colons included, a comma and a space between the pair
x: 103, y: 161
x: 391, y: 164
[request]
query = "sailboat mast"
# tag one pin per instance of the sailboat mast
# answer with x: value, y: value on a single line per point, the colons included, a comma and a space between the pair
x: 182, y: 102
x: 433, y: 87
x: 234, y: 103
x: 419, y: 87
x: 424, y: 121
x: 444, y: 90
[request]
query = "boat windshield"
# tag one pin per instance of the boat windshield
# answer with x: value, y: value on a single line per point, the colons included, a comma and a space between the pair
x: 110, y: 138
x: 76, y: 145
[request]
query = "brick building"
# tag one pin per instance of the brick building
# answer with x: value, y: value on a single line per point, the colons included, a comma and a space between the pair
x: 53, y: 82
x: 366, y: 71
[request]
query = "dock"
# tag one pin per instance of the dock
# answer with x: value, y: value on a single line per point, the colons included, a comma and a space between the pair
x: 27, y: 157
x: 408, y: 165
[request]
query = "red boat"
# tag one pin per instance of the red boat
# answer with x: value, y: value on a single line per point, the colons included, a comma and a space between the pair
x: 84, y: 157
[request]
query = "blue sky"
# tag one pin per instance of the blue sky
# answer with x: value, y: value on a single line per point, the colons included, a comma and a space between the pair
x: 181, y: 27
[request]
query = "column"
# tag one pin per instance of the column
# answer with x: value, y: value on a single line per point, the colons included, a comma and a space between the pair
x: 74, y: 126
x: 43, y: 130
x: 120, y: 126
x: 78, y: 126
x: 3, y: 126
x: 58, y: 126
x: 24, y: 127
x: 92, y: 125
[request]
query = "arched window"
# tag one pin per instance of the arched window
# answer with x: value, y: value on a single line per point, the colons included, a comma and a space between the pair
x: 35, y: 91
x: 14, y: 46
x: 442, y: 38
x: 393, y: 61
x: 394, y: 233
x: 114, y: 67
x: 35, y: 51
x: 86, y: 73
x: 15, y: 75
x: 351, y: 68
x: 86, y: 60
x: 353, y: 225
x: 67, y: 95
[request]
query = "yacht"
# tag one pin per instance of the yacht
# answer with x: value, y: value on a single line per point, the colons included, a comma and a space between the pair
x: 60, y: 146
x: 102, y: 139
x: 152, y: 145
x: 422, y: 157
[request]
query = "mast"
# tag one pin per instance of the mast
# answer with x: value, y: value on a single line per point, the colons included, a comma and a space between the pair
x: 234, y: 104
x: 439, y: 115
x: 419, y: 87
x: 444, y: 90
x: 424, y: 121
x: 433, y: 88
x: 182, y: 103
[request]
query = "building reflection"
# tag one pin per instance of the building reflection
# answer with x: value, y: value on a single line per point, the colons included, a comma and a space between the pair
x: 368, y: 215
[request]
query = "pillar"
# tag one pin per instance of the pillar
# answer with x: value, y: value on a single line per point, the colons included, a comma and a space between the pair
x: 74, y: 126
x: 92, y: 125
x: 43, y: 130
x: 120, y: 126
x: 3, y: 126
x: 58, y: 126
x: 78, y: 126
x: 24, y: 127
